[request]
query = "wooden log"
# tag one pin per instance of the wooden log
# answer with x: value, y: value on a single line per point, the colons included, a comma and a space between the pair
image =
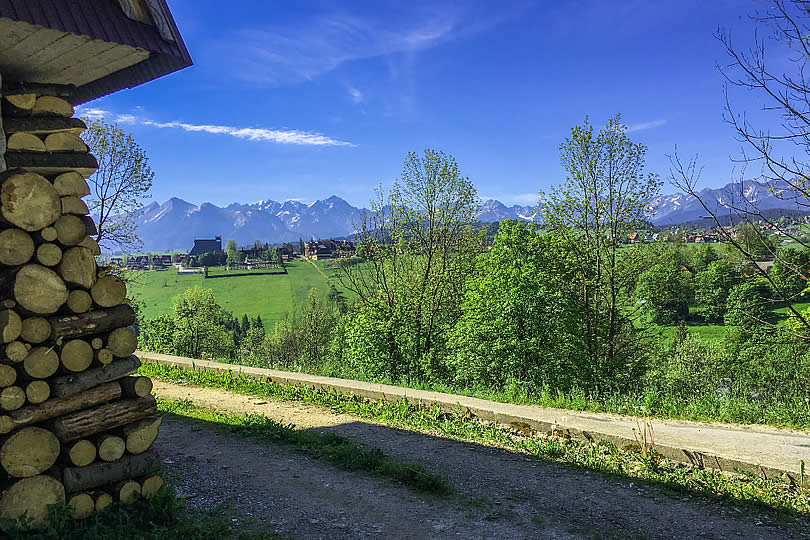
x: 97, y: 343
x: 53, y: 163
x: 54, y: 407
x: 122, y: 342
x: 140, y: 435
x: 150, y: 486
x: 76, y: 355
x: 39, y: 289
x: 48, y: 234
x: 91, y: 244
x: 37, y: 392
x: 103, y: 500
x: 108, y: 291
x: 12, y: 398
x: 7, y: 425
x: 92, y: 322
x: 81, y: 505
x: 136, y: 386
x: 70, y: 230
x: 80, y: 453
x: 16, y: 247
x: 10, y: 325
x: 104, y: 356
x: 49, y: 254
x: 90, y: 228
x: 127, y: 491
x: 29, y: 452
x: 16, y: 351
x: 102, y: 418
x: 35, y: 330
x: 79, y: 301
x: 64, y: 142
x: 8, y: 375
x: 41, y: 362
x: 69, y: 385
x: 13, y: 88
x: 110, y: 447
x: 25, y: 142
x: 28, y: 200
x: 52, y: 106
x: 100, y: 473
x: 44, y: 125
x: 24, y: 102
x: 31, y: 497
x: 71, y: 184
x: 74, y: 205
x: 78, y: 267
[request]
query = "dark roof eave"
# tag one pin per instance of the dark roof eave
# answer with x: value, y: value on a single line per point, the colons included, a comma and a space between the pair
x: 154, y: 67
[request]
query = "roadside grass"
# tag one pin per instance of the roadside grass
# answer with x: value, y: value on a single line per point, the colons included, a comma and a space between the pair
x: 271, y: 296
x: 786, y: 499
x: 784, y: 411
x: 335, y: 449
x: 164, y: 517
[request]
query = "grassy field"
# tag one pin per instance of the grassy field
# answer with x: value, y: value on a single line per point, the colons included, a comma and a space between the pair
x: 267, y: 295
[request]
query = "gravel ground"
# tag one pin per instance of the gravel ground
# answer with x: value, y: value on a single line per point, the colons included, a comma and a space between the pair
x: 497, y: 494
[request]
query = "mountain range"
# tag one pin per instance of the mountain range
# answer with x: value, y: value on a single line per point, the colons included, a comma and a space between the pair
x: 176, y: 223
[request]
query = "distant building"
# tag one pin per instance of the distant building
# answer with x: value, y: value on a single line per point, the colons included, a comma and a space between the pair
x: 328, y: 249
x: 206, y: 246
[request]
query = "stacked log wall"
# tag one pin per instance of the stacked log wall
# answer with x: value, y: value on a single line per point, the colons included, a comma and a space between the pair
x: 76, y: 424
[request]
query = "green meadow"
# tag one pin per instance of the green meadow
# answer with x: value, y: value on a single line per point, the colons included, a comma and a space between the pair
x: 269, y: 295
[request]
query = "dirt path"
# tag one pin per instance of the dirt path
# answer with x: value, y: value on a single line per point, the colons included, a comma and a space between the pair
x: 498, y: 494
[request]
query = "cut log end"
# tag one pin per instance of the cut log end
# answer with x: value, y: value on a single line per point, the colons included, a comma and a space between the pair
x: 81, y: 505
x: 25, y: 142
x: 79, y: 301
x: 109, y: 291
x: 103, y: 500
x: 136, y: 386
x: 82, y: 453
x: 74, y: 205
x: 16, y: 351
x: 78, y: 266
x: 8, y: 375
x: 52, y: 106
x: 64, y: 142
x: 39, y: 289
x: 16, y: 247
x: 110, y: 447
x: 71, y: 184
x: 35, y: 330
x: 70, y: 230
x: 10, y: 326
x: 140, y: 435
x: 31, y: 497
x: 128, y: 491
x: 151, y: 485
x: 29, y: 201
x: 49, y: 254
x: 41, y: 362
x: 76, y: 355
x: 23, y: 102
x: 37, y: 392
x: 29, y: 452
x: 122, y: 342
x: 12, y: 398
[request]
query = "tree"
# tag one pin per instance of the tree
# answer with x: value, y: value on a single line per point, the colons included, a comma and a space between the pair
x: 664, y: 291
x: 712, y: 287
x: 775, y: 141
x: 746, y: 305
x: 420, y: 247
x: 605, y: 195
x: 517, y: 326
x: 200, y: 325
x: 703, y: 255
x: 120, y: 184
x: 301, y: 246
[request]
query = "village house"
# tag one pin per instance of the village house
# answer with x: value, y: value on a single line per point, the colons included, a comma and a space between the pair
x: 202, y: 246
x: 328, y: 249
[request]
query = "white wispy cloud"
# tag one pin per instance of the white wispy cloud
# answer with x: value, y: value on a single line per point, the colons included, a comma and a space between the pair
x: 255, y: 134
x: 356, y: 95
x: 279, y: 136
x: 645, y: 125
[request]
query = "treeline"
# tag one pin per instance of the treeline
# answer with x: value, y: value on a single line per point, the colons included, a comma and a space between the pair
x: 566, y: 312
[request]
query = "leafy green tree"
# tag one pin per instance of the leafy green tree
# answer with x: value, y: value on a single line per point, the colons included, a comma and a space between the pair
x: 712, y: 287
x: 754, y: 241
x: 516, y: 325
x: 234, y: 256
x: 300, y: 246
x: 157, y: 335
x: 746, y: 305
x: 314, y: 328
x: 421, y: 246
x: 791, y: 272
x: 119, y: 186
x: 200, y: 325
x: 605, y: 196
x: 663, y: 291
x: 703, y: 256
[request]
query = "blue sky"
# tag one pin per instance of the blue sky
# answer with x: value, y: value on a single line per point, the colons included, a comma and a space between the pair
x: 308, y: 99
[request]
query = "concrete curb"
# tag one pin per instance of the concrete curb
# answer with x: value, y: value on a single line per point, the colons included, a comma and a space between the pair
x: 760, y: 450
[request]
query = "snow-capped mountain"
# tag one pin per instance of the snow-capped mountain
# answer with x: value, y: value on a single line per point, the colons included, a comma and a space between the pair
x: 176, y: 223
